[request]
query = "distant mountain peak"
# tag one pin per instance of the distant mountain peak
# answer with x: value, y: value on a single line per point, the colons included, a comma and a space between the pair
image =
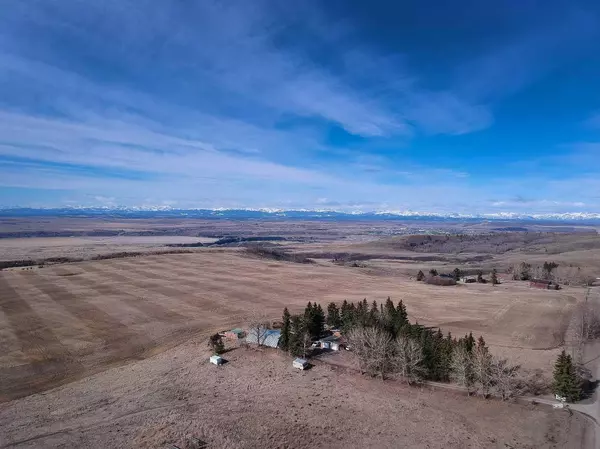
x: 279, y: 213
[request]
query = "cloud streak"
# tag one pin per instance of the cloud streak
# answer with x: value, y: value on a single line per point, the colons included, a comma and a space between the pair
x: 235, y: 103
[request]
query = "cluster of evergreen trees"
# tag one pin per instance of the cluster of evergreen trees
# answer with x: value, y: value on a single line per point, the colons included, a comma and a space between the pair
x: 457, y: 273
x: 440, y: 357
x: 298, y: 331
x: 417, y: 352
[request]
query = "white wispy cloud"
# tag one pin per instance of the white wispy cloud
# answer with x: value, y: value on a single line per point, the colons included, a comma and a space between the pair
x: 593, y: 121
x: 217, y: 104
x: 231, y: 49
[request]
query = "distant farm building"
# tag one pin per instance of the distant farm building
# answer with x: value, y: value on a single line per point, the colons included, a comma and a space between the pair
x: 543, y: 284
x: 268, y: 337
x: 440, y: 280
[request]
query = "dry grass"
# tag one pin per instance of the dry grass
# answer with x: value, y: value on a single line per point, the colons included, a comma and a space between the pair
x: 64, y: 322
x: 258, y: 400
x: 39, y: 248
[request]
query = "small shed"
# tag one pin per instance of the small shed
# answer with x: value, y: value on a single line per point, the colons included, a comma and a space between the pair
x: 332, y: 342
x: 300, y: 363
x: 216, y: 360
x: 234, y: 334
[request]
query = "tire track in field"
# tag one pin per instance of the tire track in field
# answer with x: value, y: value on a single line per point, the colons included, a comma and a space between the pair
x: 120, y: 341
x: 148, y: 287
x: 151, y: 309
x: 232, y: 286
x: 258, y: 272
x: 268, y: 276
x: 156, y: 282
x: 193, y: 285
x: 48, y: 357
x: 268, y: 282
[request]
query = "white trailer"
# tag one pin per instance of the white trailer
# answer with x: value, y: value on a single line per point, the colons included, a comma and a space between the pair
x: 300, y: 364
x: 216, y: 360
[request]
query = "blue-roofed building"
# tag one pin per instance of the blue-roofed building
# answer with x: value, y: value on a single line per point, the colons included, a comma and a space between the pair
x: 267, y: 337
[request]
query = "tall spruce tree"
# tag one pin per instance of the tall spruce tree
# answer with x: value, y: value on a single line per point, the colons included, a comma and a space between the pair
x: 389, y: 309
x: 373, y: 314
x: 427, y: 349
x: 284, y: 340
x: 318, y: 323
x: 297, y: 330
x: 308, y: 312
x: 447, y: 348
x: 494, y: 277
x: 401, y: 314
x: 352, y: 315
x: 347, y: 316
x: 469, y: 342
x: 333, y: 315
x: 456, y: 274
x: 566, y: 382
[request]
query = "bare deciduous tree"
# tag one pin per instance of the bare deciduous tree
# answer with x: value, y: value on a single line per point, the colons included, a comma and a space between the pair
x: 462, y: 368
x: 305, y: 342
x: 482, y: 371
x: 584, y: 326
x: 373, y: 349
x: 521, y: 271
x: 536, y: 383
x: 506, y: 379
x: 258, y: 326
x: 409, y: 360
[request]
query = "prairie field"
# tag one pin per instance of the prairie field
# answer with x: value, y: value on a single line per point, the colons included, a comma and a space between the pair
x: 257, y: 400
x: 64, y: 322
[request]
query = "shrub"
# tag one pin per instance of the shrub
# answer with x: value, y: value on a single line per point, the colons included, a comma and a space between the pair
x: 215, y: 342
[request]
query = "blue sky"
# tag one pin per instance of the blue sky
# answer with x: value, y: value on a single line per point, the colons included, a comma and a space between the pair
x: 347, y: 105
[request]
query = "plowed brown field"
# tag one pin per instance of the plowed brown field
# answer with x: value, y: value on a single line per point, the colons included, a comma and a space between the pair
x: 68, y: 321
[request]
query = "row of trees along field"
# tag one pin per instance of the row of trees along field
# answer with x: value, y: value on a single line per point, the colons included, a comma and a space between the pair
x: 457, y: 274
x: 551, y: 271
x: 385, y: 344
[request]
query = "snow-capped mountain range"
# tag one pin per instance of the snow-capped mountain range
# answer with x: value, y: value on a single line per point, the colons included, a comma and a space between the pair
x: 312, y: 214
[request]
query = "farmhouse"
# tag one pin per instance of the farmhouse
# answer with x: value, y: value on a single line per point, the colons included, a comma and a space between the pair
x: 543, y: 284
x: 440, y: 280
x: 268, y: 337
